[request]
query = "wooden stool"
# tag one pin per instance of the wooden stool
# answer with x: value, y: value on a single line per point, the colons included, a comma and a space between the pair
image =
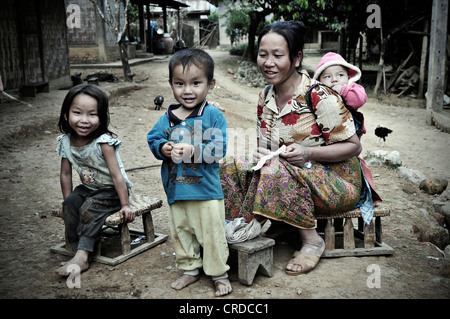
x: 141, y: 205
x: 371, y: 235
x: 254, y: 254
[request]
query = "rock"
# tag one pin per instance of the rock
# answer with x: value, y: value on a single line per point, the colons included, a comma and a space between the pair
x: 414, y: 176
x: 383, y: 158
x: 433, y: 186
x: 447, y: 252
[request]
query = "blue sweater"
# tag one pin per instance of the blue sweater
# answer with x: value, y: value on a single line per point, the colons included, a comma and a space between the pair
x: 198, y: 178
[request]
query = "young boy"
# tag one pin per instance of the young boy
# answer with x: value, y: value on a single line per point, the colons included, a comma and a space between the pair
x: 341, y: 76
x: 191, y: 138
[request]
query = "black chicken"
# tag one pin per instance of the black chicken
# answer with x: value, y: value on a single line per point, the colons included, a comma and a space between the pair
x: 382, y: 133
x: 159, y: 100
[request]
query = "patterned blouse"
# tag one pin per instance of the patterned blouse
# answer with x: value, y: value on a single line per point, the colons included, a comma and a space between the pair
x: 327, y: 121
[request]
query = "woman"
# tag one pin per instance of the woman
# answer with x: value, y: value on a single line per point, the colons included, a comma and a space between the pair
x: 316, y: 128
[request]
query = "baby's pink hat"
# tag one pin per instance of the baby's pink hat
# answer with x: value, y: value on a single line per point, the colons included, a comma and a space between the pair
x: 331, y: 58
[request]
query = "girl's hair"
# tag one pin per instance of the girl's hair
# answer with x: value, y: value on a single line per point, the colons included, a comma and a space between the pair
x: 102, y: 109
x: 198, y: 57
x: 292, y: 31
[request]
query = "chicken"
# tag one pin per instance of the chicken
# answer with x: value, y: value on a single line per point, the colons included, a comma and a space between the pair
x: 382, y: 133
x: 159, y: 100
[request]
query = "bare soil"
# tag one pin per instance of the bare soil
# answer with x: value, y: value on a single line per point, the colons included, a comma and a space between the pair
x: 30, y: 195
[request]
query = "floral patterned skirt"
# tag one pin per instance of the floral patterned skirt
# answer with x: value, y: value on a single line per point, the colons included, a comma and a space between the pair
x: 284, y: 192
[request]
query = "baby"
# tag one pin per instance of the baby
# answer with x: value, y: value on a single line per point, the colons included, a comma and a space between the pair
x: 341, y: 76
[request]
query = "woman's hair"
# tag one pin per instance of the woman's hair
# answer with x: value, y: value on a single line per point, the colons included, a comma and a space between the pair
x: 292, y: 31
x: 198, y: 57
x: 102, y: 109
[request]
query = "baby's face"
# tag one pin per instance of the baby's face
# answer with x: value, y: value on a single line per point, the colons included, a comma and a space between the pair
x: 335, y: 75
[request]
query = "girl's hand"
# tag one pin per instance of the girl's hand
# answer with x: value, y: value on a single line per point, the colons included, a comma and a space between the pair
x: 182, y: 151
x: 60, y: 212
x: 296, y: 154
x: 167, y: 149
x: 126, y: 214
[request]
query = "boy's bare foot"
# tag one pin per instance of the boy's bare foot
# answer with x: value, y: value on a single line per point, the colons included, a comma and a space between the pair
x: 184, y: 281
x: 223, y: 287
x: 80, y: 259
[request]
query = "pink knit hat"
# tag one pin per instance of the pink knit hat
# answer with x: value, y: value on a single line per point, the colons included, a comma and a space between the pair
x: 331, y: 58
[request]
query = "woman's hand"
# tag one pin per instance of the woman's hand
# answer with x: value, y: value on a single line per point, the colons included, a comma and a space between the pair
x: 296, y: 154
x: 260, y: 152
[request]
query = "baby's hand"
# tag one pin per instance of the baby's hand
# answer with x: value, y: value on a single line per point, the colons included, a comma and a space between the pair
x: 126, y: 214
x: 167, y: 149
x: 337, y: 88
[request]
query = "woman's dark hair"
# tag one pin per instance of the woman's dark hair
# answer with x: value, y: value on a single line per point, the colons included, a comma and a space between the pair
x: 102, y: 109
x: 198, y: 57
x: 292, y: 31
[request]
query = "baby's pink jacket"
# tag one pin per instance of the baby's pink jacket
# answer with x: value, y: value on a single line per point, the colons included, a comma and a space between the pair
x: 354, y: 95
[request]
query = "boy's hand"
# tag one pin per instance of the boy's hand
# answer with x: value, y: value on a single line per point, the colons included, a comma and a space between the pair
x: 167, y: 149
x: 126, y: 214
x: 60, y: 212
x: 182, y: 151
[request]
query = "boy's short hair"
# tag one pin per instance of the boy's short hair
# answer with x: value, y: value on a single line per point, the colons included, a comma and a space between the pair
x: 188, y: 56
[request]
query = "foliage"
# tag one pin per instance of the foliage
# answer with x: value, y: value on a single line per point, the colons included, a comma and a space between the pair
x: 238, y: 22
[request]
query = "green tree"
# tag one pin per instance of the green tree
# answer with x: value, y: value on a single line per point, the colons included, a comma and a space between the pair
x: 238, y: 22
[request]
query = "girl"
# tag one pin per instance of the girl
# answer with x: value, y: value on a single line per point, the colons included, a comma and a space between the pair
x: 91, y: 149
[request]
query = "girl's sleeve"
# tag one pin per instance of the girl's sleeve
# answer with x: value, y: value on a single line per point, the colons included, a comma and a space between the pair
x: 60, y: 149
x: 156, y: 138
x: 334, y: 121
x: 105, y: 138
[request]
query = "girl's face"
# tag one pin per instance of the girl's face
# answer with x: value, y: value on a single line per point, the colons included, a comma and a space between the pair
x: 273, y: 59
x: 83, y: 116
x: 190, y: 86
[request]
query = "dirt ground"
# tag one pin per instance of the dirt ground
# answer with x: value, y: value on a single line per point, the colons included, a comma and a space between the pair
x: 30, y: 194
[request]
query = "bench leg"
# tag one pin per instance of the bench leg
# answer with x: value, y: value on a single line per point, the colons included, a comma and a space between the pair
x: 349, y: 236
x: 329, y: 235
x: 149, y: 230
x: 369, y: 235
x: 125, y: 238
x: 250, y: 263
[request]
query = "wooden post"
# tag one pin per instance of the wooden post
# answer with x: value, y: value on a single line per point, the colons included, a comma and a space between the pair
x: 436, y: 71
x: 329, y: 235
x: 423, y: 58
x: 349, y: 237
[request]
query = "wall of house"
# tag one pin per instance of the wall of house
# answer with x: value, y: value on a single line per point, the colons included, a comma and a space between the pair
x: 33, y: 43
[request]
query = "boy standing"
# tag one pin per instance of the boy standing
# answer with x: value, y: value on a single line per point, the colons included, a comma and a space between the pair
x: 191, y: 138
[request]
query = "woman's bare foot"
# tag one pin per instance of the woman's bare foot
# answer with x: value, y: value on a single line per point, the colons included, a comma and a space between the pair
x: 70, y: 268
x: 184, y: 281
x: 223, y: 287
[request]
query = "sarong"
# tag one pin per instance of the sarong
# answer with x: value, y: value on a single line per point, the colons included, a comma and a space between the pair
x: 284, y: 192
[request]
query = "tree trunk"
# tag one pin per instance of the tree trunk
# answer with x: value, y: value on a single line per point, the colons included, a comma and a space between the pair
x: 124, y: 58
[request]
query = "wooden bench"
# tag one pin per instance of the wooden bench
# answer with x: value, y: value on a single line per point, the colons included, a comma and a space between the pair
x: 254, y: 254
x: 142, y: 206
x: 347, y: 244
x: 30, y: 89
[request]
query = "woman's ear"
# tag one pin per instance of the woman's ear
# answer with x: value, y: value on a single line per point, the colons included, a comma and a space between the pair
x: 298, y: 60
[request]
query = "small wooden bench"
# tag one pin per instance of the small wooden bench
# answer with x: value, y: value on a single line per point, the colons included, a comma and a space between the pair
x: 254, y: 254
x: 141, y: 205
x: 369, y: 235
x: 30, y: 89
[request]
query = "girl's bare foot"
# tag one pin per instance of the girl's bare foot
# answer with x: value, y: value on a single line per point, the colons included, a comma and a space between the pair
x: 223, y: 287
x: 184, y: 281
x: 70, y: 268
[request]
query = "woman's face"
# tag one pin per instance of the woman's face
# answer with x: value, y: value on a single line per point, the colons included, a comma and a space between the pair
x: 273, y: 59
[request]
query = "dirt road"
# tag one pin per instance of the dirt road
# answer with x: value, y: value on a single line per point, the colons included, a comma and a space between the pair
x: 30, y: 193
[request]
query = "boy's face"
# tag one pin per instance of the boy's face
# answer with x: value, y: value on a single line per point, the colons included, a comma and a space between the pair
x: 334, y: 76
x: 190, y: 86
